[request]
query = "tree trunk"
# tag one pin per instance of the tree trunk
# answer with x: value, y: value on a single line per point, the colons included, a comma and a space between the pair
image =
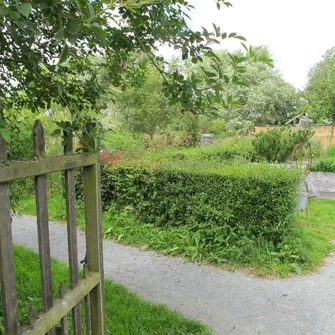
x: 332, y: 133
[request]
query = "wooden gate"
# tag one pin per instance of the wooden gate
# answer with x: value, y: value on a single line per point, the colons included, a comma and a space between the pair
x: 53, y: 320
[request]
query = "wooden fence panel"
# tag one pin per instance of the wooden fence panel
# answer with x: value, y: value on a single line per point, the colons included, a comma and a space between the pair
x: 91, y: 287
x: 9, y: 301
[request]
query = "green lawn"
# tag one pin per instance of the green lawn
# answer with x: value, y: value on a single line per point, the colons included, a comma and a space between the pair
x: 302, y: 251
x: 127, y: 313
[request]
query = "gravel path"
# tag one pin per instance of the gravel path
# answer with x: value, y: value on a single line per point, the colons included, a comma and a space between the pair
x: 230, y: 303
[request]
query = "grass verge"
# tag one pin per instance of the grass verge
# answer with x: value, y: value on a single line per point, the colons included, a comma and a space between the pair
x: 127, y: 313
x: 301, y: 251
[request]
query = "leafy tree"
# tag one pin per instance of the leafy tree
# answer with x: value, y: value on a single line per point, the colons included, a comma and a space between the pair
x: 320, y: 90
x: 263, y: 96
x: 46, y: 46
x: 143, y: 109
x: 266, y: 98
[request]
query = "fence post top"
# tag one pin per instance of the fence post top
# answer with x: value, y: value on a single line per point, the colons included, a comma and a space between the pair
x: 3, y: 150
x: 38, y: 138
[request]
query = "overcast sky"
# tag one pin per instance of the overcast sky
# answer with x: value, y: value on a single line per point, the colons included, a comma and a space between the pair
x: 298, y: 32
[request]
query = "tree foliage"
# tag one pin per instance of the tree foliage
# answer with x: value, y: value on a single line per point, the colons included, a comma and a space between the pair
x: 46, y: 47
x: 143, y: 109
x: 258, y: 96
x: 320, y: 90
x: 266, y: 98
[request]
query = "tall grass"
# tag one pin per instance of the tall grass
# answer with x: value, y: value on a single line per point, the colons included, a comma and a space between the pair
x: 126, y: 312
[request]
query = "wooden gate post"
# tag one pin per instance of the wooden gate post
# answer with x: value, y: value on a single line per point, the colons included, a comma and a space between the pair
x: 8, y: 289
x: 92, y: 202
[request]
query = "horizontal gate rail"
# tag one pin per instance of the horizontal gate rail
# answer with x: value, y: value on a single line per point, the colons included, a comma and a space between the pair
x: 63, y: 306
x: 13, y: 170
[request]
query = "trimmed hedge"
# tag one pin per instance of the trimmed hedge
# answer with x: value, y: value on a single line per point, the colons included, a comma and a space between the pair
x: 228, y: 202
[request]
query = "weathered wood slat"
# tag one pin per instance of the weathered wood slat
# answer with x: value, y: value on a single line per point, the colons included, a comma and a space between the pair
x: 43, y: 224
x: 9, y: 300
x: 31, y: 315
x: 72, y: 231
x: 63, y: 329
x: 63, y: 306
x: 87, y: 308
x: 23, y: 169
x: 92, y: 202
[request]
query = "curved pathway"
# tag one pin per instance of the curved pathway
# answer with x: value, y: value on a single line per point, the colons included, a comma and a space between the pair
x: 229, y: 302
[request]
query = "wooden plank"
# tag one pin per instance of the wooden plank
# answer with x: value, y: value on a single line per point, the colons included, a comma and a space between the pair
x: 43, y: 224
x: 8, y: 289
x: 72, y: 230
x: 87, y: 308
x: 63, y: 329
x: 31, y: 315
x: 23, y: 169
x: 63, y: 306
x: 92, y: 202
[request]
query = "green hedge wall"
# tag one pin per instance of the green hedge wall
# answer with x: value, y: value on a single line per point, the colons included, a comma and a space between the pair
x: 234, y: 201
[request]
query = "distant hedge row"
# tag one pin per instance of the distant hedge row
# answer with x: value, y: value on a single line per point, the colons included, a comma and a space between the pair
x: 229, y: 202
x: 324, y: 165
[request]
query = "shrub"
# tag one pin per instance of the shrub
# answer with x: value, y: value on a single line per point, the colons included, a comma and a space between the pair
x: 239, y: 126
x: 191, y: 140
x: 122, y: 142
x: 326, y: 164
x: 330, y: 152
x: 225, y: 203
x: 317, y: 149
x: 234, y: 149
x: 276, y: 145
x: 216, y: 127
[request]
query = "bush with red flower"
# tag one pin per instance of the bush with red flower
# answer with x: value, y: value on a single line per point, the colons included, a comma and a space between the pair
x: 191, y: 140
x: 114, y: 158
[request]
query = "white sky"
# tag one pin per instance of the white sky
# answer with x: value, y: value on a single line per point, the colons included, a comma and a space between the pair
x: 298, y: 32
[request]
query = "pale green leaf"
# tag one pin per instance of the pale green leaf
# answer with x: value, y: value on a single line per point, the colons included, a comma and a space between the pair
x: 241, y: 38
x: 64, y: 54
x: 5, y: 133
x: 99, y: 31
x: 24, y: 9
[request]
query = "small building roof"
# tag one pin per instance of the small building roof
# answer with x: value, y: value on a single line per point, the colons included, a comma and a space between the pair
x: 298, y: 117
